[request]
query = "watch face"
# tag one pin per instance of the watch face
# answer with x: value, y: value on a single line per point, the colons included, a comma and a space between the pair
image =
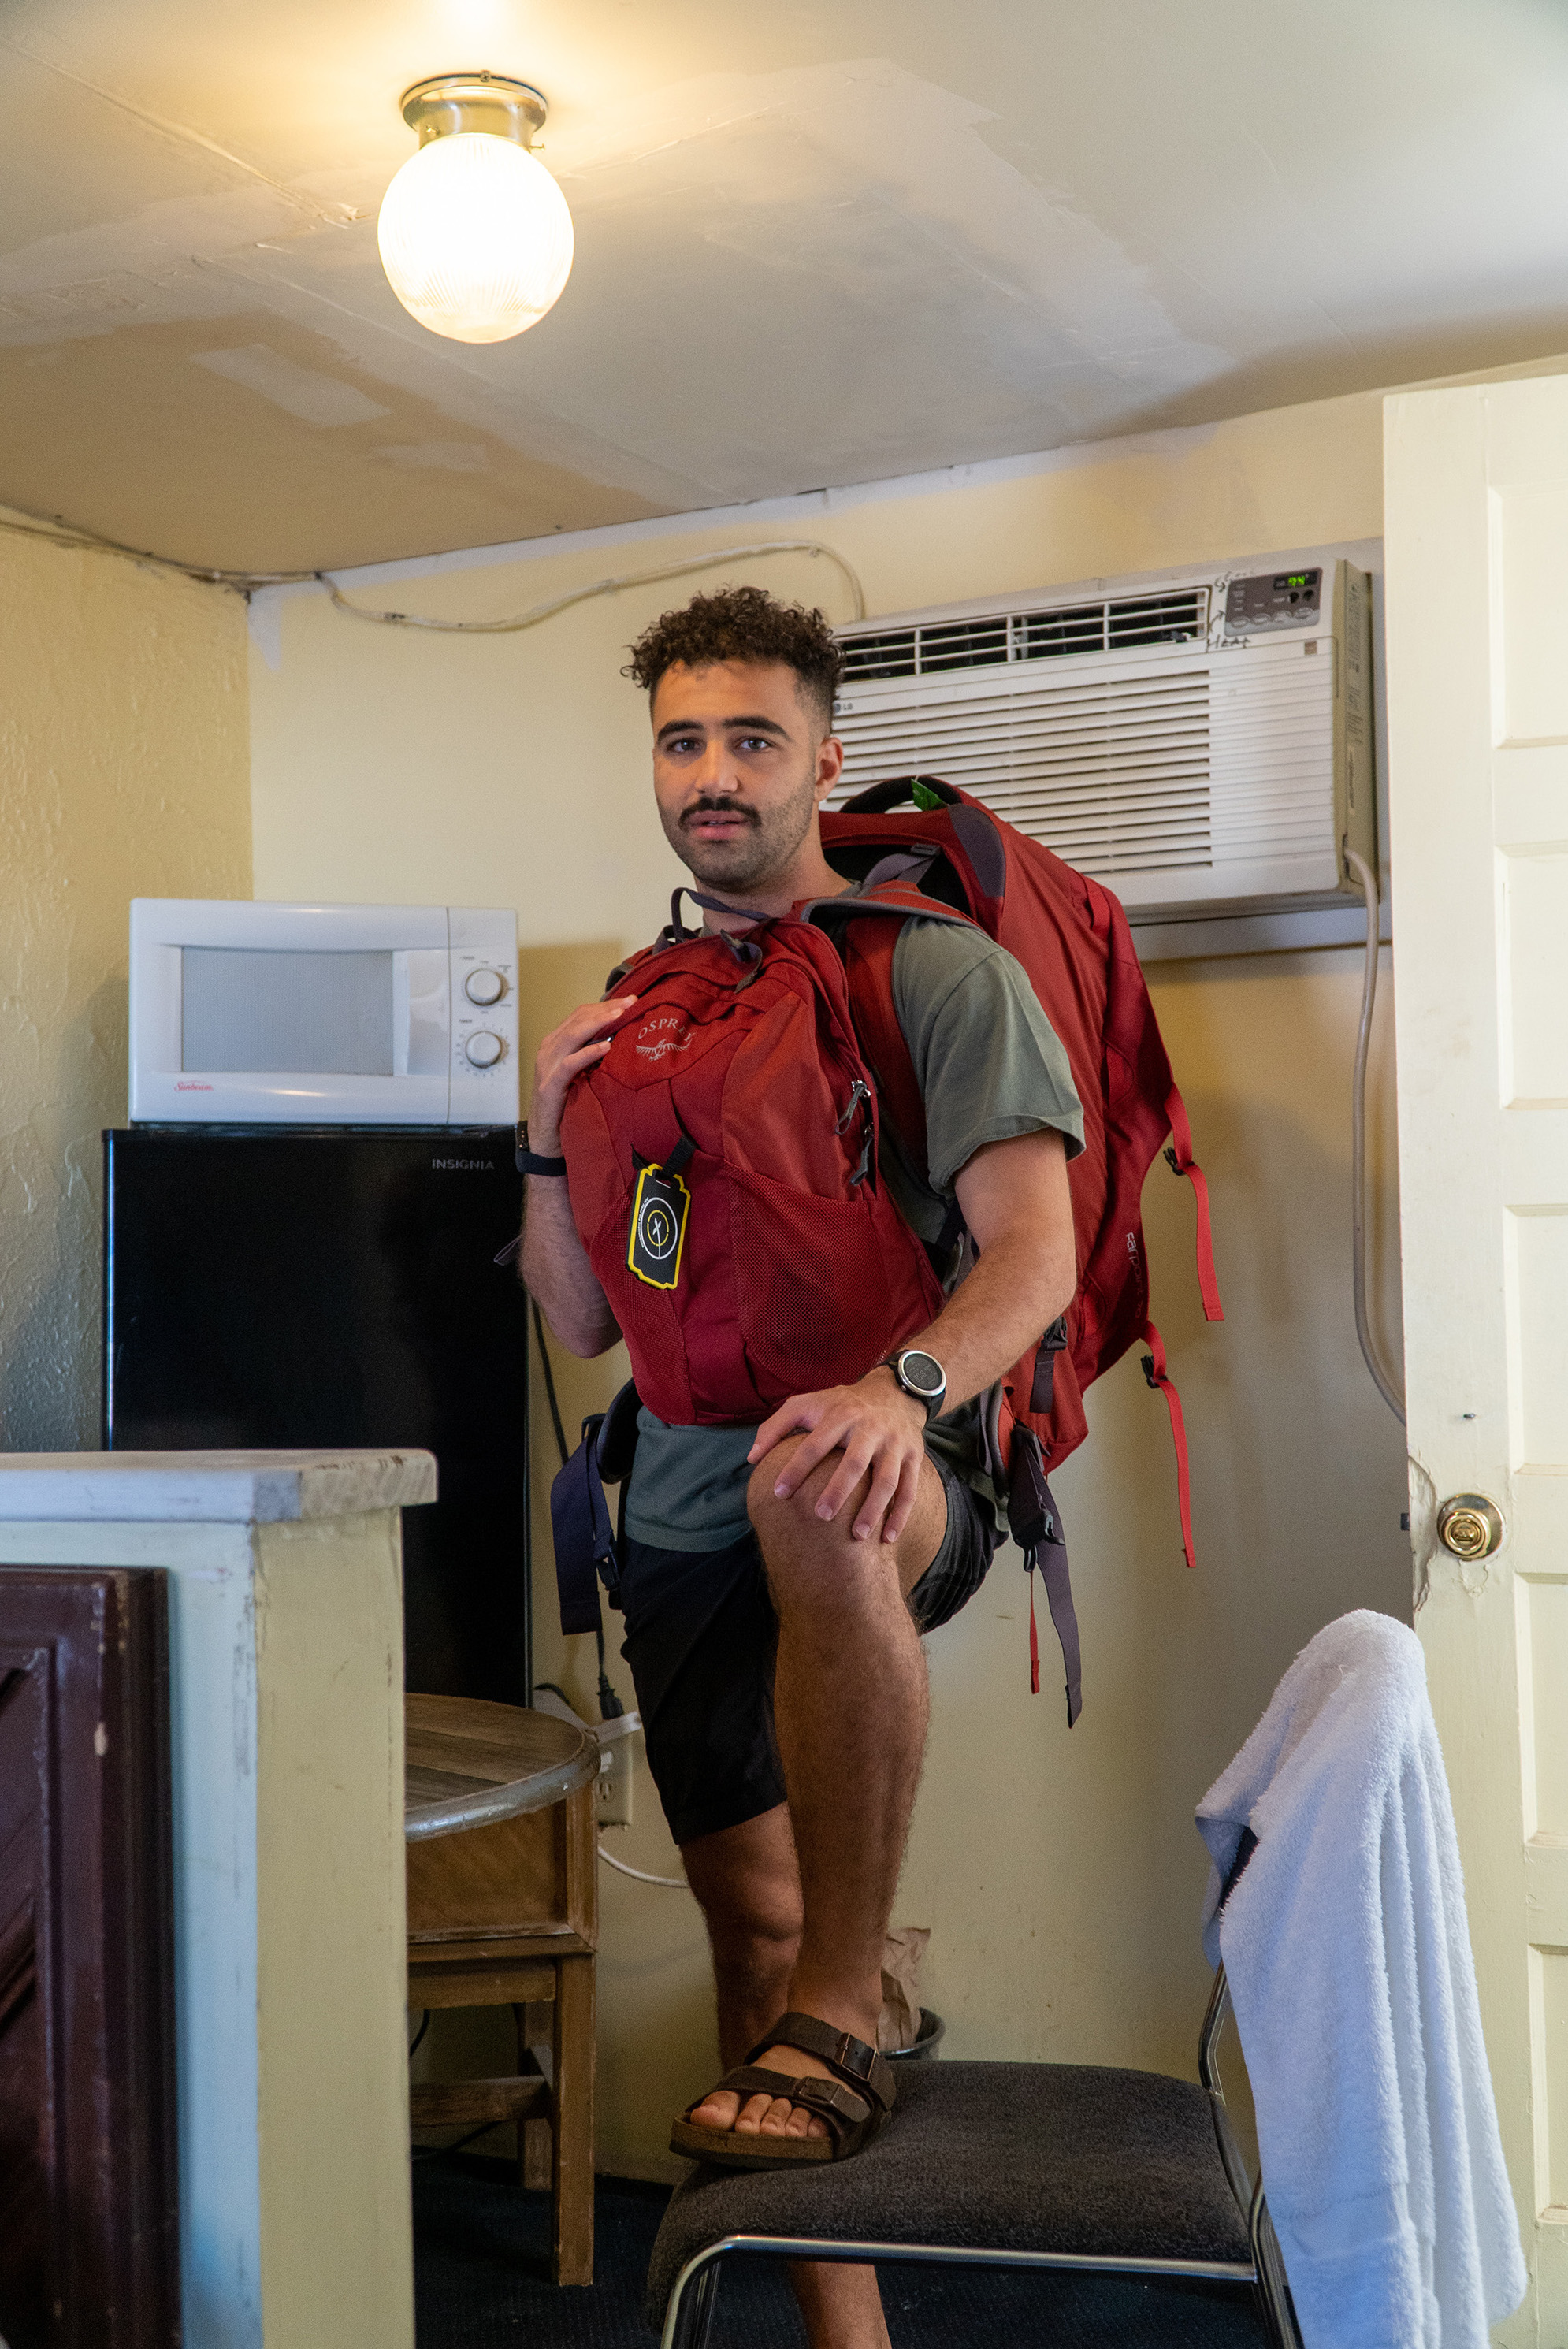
x: 922, y: 1371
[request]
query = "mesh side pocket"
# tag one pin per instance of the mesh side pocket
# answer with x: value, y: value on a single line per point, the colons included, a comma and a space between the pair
x: 821, y: 1290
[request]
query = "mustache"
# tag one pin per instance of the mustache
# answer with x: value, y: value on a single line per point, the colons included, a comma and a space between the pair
x: 720, y: 803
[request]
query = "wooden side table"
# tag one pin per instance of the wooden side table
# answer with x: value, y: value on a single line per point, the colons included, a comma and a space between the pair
x: 504, y: 1909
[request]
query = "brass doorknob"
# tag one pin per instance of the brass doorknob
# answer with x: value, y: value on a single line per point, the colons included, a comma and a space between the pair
x: 1469, y: 1526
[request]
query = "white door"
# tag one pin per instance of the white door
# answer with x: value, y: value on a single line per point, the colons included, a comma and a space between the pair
x: 1476, y: 522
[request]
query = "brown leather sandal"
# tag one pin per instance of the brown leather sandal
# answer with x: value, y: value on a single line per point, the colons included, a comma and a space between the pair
x: 855, y: 2104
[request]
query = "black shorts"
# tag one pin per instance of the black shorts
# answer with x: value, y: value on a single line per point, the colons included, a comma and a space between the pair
x: 700, y: 1639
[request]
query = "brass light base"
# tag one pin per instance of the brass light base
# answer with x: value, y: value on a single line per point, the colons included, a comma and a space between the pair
x: 474, y: 101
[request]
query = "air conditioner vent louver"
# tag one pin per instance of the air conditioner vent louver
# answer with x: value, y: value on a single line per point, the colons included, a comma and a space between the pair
x: 1177, y: 616
x: 1111, y: 770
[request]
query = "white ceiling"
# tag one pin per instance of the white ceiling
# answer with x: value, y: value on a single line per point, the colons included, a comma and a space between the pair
x: 815, y: 244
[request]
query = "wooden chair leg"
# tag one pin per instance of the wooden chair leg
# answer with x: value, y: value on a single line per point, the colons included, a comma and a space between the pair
x: 535, y: 2140
x: 573, y: 2152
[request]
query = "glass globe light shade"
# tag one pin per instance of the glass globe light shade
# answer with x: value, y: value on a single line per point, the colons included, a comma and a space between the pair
x: 476, y: 237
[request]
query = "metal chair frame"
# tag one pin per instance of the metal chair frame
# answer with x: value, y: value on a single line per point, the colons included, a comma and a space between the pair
x: 689, y: 2313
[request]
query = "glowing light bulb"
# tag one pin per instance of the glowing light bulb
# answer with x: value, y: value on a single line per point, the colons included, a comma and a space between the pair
x: 476, y: 237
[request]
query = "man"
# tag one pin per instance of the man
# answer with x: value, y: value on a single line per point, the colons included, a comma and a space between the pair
x: 778, y: 1578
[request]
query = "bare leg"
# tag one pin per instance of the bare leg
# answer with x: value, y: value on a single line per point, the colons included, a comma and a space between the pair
x: 747, y: 1882
x: 850, y: 1706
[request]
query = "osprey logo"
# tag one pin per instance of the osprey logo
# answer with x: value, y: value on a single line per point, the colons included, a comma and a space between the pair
x: 664, y: 1033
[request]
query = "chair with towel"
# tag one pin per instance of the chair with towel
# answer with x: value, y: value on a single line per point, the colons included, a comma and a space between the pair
x: 1334, y: 1869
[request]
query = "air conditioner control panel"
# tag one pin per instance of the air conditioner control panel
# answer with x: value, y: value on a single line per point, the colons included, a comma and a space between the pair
x: 1273, y: 600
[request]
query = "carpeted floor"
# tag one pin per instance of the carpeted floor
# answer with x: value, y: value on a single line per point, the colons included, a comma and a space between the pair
x: 482, y: 2281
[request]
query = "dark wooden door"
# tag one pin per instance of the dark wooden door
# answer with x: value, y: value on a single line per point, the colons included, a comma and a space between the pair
x: 89, y: 2245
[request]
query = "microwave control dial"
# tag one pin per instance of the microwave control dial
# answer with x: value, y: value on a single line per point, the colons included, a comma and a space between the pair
x: 483, y: 1048
x: 484, y: 987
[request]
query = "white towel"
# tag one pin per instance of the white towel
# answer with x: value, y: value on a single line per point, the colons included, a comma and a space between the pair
x: 1348, y: 1957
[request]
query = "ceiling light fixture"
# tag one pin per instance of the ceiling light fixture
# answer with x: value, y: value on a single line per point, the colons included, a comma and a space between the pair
x: 475, y: 236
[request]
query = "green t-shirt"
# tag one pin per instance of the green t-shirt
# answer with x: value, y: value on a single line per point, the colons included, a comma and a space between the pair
x: 990, y: 1067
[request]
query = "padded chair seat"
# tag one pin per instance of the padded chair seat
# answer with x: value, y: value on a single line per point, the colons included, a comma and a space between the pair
x: 999, y: 2157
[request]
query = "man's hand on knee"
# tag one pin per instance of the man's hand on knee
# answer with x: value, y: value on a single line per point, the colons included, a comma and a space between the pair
x: 880, y: 1433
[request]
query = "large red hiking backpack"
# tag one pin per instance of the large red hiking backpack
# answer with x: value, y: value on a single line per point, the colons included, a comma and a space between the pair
x: 1071, y: 937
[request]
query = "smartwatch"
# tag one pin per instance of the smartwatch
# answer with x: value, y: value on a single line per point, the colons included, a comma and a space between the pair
x: 922, y: 1376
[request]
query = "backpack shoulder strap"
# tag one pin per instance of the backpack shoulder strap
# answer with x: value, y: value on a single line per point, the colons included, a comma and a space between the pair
x: 869, y: 943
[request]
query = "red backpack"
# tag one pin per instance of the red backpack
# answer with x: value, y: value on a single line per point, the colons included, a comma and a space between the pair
x: 760, y: 1066
x: 1071, y: 937
x: 723, y: 1167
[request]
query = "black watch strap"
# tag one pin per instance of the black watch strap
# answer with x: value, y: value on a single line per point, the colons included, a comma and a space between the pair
x: 528, y: 1162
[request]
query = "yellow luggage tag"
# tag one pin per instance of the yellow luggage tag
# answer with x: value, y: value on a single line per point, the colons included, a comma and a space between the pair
x: 659, y: 1210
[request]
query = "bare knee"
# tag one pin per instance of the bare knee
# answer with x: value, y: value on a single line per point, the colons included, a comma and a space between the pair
x: 754, y: 1944
x: 770, y: 1511
x: 807, y: 1554
x: 748, y: 1887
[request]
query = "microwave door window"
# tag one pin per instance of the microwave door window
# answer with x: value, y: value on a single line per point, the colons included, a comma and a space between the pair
x: 248, y: 1010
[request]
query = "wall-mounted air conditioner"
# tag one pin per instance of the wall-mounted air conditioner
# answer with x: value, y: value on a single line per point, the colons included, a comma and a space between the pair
x: 1197, y: 742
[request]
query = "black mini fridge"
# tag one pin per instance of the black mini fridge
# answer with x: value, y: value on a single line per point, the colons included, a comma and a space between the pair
x: 301, y: 1287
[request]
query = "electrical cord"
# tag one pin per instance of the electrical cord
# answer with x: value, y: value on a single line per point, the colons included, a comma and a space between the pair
x: 672, y: 1883
x: 72, y: 535
x: 555, y: 1419
x: 418, y: 2035
x: 22, y: 523
x: 538, y: 612
x: 1367, y: 883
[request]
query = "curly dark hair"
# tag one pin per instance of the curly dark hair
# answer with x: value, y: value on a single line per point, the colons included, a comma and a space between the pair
x: 742, y: 624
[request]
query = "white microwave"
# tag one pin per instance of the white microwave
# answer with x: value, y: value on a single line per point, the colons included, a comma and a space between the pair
x: 255, y: 1014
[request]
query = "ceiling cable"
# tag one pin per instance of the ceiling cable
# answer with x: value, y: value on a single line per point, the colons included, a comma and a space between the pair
x: 48, y: 527
x: 55, y: 532
x: 538, y: 612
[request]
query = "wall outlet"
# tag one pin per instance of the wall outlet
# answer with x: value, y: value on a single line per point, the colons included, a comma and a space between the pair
x: 612, y: 1797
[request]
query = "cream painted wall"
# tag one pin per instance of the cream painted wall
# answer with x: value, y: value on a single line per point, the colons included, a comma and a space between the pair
x: 124, y: 761
x: 389, y: 762
x: 1060, y: 1874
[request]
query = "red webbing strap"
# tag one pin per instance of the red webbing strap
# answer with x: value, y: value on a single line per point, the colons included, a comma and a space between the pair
x: 1034, y: 1640
x: 1155, y: 1371
x: 1181, y: 1159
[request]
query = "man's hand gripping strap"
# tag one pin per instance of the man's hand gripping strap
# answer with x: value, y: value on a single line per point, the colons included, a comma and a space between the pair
x: 1036, y: 1527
